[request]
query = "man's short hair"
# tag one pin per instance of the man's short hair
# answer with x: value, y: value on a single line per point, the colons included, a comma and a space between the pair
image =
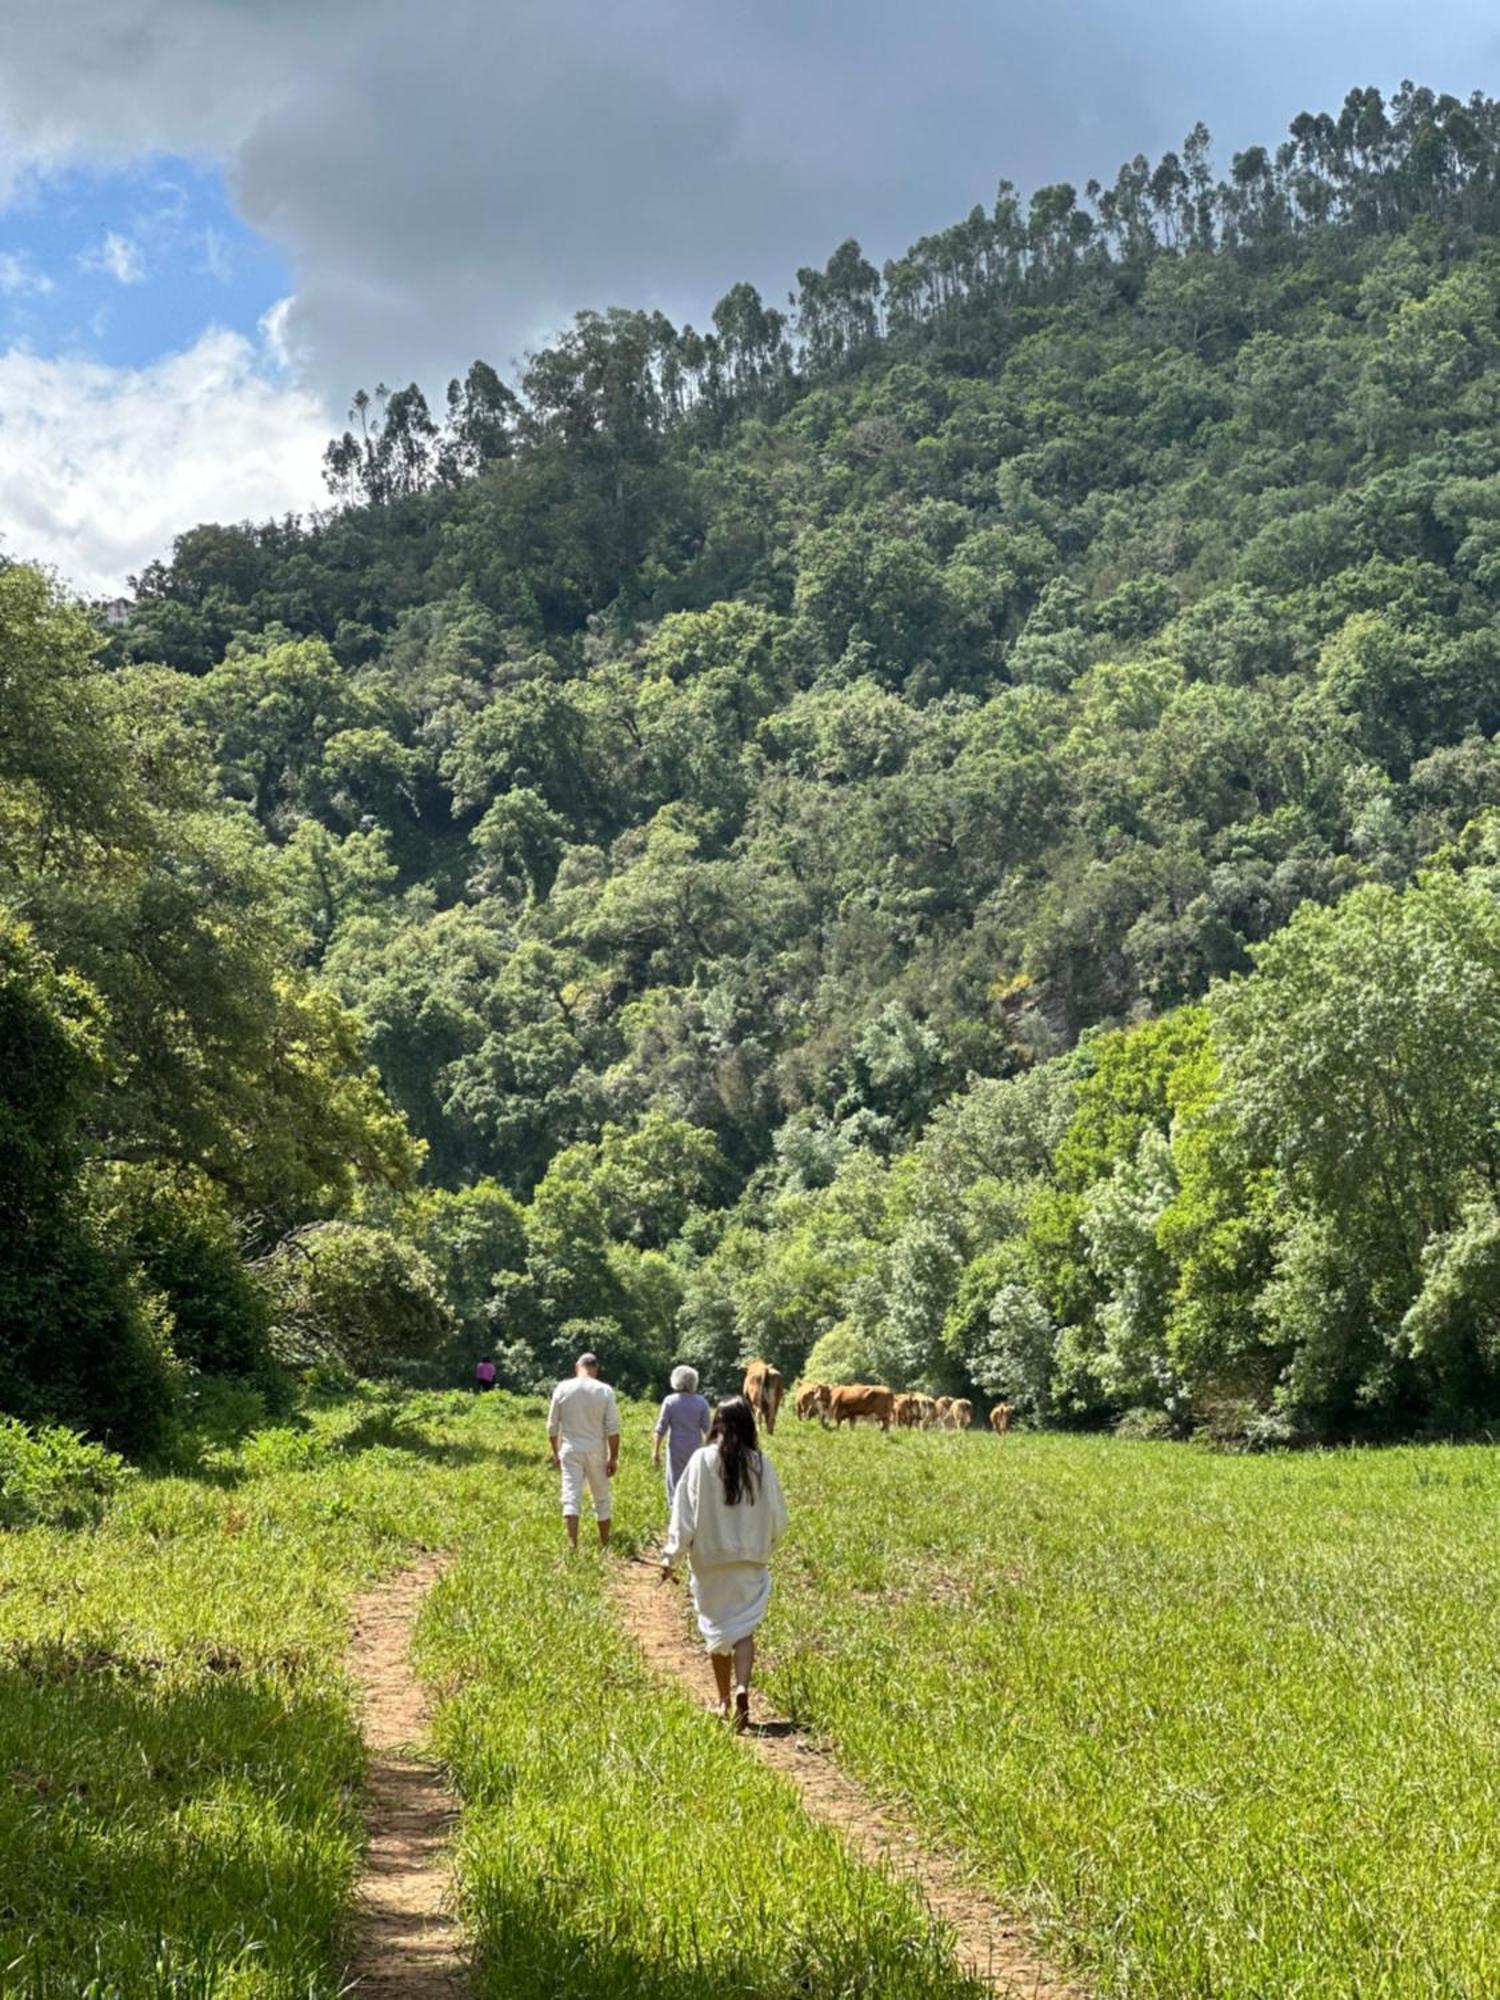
x: 588, y: 1361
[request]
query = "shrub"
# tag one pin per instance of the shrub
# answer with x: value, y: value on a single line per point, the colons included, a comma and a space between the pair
x: 841, y: 1355
x: 355, y: 1295
x: 54, y: 1477
x: 177, y: 1230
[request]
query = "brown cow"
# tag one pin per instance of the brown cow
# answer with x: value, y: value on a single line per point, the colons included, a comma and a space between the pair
x: 960, y: 1413
x: 926, y: 1415
x: 763, y: 1391
x: 906, y: 1414
x: 943, y: 1413
x: 1000, y: 1419
x: 852, y: 1400
x: 811, y: 1400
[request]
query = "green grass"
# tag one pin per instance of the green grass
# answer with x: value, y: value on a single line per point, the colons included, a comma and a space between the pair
x: 1225, y: 1726
x: 178, y: 1759
x: 618, y: 1842
x: 179, y: 1767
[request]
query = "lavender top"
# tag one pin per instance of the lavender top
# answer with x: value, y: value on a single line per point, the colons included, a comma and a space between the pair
x: 682, y: 1422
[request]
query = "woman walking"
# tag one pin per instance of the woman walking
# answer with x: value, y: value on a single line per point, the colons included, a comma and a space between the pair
x: 728, y: 1514
x: 683, y: 1423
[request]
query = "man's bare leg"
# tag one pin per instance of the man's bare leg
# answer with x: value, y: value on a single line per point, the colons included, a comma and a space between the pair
x: 604, y: 1528
x: 570, y: 1522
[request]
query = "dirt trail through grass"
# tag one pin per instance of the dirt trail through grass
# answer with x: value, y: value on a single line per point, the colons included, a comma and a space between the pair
x: 990, y: 1944
x: 406, y: 1941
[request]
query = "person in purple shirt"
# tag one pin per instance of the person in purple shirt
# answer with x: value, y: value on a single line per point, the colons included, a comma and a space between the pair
x: 683, y: 1423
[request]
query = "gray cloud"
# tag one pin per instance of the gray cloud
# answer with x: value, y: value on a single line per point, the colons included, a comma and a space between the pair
x: 456, y: 179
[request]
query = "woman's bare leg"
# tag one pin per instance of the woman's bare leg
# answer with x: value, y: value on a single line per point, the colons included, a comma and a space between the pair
x: 722, y: 1664
x: 744, y: 1660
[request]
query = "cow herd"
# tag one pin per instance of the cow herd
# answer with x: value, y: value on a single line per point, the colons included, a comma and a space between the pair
x: 840, y: 1403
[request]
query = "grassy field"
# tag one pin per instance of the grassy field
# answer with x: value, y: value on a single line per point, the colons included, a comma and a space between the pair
x: 179, y: 1766
x: 1225, y: 1726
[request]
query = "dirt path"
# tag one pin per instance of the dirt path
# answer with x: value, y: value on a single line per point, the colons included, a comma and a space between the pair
x: 406, y: 1941
x: 990, y: 1944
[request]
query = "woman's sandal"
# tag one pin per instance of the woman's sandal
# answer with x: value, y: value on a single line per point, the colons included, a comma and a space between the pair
x: 741, y: 1710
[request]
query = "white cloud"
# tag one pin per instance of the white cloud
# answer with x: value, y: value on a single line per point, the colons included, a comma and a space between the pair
x: 119, y: 257
x: 218, y: 260
x: 19, y: 275
x: 100, y: 467
x: 276, y: 335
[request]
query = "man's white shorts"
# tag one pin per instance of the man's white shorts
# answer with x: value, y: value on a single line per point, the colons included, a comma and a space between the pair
x: 591, y: 1467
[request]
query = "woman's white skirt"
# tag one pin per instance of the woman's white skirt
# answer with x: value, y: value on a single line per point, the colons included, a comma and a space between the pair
x: 730, y: 1600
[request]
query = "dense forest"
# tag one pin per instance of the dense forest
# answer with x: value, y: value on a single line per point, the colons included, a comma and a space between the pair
x: 952, y: 830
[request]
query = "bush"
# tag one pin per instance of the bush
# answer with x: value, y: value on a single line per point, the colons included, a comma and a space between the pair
x: 350, y: 1294
x: 222, y: 1411
x: 841, y: 1355
x: 177, y: 1230
x: 55, y: 1477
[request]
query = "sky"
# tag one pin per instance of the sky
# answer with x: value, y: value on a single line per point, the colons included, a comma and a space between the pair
x: 220, y: 217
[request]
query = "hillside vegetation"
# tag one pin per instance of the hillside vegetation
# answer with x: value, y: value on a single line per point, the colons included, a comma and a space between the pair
x: 956, y: 826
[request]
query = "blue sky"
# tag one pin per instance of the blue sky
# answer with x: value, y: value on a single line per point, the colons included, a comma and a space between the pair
x: 128, y: 264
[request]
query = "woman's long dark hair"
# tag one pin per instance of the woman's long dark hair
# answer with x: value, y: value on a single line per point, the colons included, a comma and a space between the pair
x: 733, y: 1431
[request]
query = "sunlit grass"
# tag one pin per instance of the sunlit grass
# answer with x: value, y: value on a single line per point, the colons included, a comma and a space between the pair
x: 179, y: 1765
x: 1225, y: 1726
x: 178, y: 1758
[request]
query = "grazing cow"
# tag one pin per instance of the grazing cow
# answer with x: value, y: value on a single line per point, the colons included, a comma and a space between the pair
x: 811, y: 1400
x: 943, y: 1413
x: 763, y: 1391
x: 960, y: 1413
x: 905, y: 1413
x: 1000, y: 1419
x: 850, y: 1401
x: 926, y: 1412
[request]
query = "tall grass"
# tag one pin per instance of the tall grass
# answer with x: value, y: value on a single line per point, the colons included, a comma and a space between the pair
x: 616, y: 1841
x: 1225, y: 1726
x: 178, y: 1758
x: 179, y: 1765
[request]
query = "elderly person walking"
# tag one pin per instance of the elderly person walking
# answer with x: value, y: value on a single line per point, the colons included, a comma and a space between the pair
x: 683, y: 1422
x: 583, y: 1434
x: 728, y: 1514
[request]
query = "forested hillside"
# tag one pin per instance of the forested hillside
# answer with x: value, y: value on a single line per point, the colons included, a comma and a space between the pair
x: 958, y: 823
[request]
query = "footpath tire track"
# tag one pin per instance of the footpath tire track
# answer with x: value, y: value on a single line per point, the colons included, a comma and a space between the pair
x: 990, y: 1945
x: 406, y: 1938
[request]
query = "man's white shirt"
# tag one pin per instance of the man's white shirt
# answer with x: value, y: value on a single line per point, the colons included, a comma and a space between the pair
x: 584, y: 1415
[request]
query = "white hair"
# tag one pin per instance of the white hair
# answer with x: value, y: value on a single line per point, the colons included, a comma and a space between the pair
x: 684, y: 1380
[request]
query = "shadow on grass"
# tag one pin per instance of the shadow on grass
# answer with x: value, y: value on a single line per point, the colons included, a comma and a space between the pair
x: 382, y: 1430
x: 166, y: 1816
x: 532, y: 1946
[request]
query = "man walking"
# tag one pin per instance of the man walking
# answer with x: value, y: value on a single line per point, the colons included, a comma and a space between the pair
x: 583, y: 1431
